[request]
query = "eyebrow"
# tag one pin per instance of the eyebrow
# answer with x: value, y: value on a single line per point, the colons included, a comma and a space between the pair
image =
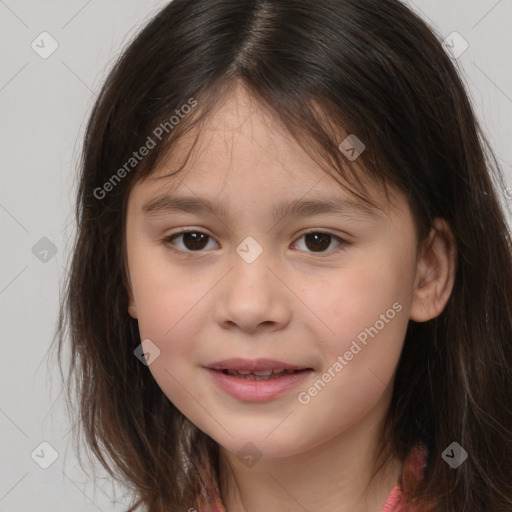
x: 298, y: 208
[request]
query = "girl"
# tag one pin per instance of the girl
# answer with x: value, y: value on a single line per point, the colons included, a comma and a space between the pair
x: 290, y: 288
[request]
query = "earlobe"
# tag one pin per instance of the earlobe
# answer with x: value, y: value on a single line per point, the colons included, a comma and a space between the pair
x: 435, y: 274
x: 132, y: 308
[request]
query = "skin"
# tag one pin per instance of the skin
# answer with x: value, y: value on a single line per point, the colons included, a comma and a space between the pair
x: 293, y: 303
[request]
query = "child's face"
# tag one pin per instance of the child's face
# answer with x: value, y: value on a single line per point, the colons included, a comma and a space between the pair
x: 303, y: 301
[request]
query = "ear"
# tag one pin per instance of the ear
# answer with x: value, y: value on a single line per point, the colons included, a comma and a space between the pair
x: 132, y: 308
x: 435, y: 273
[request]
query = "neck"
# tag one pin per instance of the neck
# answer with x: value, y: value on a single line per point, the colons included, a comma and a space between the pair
x: 335, y: 476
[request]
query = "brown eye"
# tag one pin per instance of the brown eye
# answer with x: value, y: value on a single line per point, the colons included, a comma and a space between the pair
x: 191, y: 240
x: 318, y: 242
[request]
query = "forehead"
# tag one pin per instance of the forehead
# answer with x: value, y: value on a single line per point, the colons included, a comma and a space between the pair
x: 240, y: 135
x: 242, y: 151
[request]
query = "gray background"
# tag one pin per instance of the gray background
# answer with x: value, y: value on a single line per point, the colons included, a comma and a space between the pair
x: 44, y: 104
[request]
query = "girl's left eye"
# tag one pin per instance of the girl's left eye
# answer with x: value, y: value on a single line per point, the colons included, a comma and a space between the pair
x: 195, y: 241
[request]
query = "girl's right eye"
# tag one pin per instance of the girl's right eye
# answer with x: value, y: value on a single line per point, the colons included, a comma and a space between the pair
x: 194, y: 241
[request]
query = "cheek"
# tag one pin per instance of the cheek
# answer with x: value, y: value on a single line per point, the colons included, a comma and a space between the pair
x: 357, y: 299
x: 168, y: 300
x: 170, y: 314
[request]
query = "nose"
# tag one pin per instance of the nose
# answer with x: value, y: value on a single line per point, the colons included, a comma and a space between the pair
x: 253, y: 296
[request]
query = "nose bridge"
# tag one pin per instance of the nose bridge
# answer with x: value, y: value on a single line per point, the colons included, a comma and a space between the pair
x: 252, y: 295
x: 251, y: 260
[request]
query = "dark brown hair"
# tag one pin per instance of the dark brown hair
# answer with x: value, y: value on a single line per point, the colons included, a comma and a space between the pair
x: 324, y: 68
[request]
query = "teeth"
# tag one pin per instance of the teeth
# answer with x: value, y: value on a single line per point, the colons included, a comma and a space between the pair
x: 263, y: 372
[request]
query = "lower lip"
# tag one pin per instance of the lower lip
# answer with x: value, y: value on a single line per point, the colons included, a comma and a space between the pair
x: 257, y: 390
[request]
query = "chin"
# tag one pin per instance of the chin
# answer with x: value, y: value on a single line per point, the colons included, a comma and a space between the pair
x: 261, y: 446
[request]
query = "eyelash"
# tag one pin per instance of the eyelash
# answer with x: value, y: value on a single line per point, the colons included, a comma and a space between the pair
x: 167, y: 241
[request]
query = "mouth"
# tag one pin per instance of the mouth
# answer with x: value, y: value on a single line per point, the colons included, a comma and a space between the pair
x: 261, y: 374
x: 257, y: 380
x: 252, y: 369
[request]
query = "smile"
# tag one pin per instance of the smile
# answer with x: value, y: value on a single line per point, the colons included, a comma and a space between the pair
x: 259, y: 375
x: 256, y: 380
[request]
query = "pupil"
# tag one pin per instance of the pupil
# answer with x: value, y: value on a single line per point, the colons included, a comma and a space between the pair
x: 321, y: 241
x: 192, y: 240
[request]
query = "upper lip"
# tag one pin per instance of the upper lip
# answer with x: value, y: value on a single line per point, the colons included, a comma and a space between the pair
x: 252, y: 365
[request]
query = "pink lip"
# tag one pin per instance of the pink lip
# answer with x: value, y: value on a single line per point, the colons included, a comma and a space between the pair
x: 239, y: 363
x: 257, y: 390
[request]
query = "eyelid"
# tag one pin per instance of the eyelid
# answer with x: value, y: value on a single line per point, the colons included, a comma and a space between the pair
x: 343, y: 242
x: 167, y: 240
